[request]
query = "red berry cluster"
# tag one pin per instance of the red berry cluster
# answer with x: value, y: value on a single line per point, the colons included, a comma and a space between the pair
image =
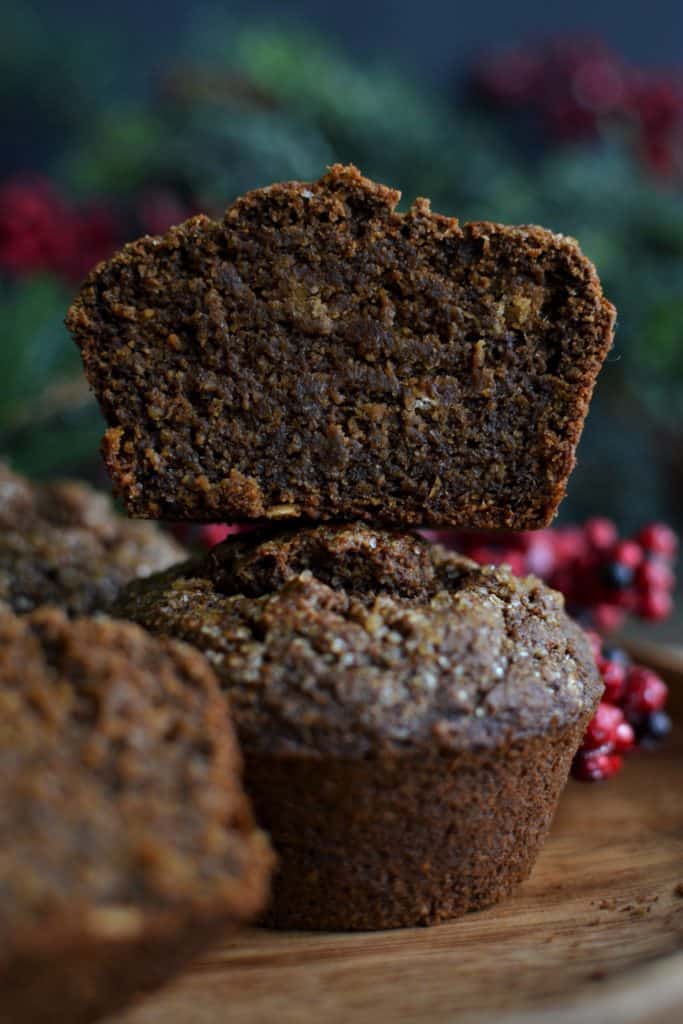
x: 602, y: 577
x: 631, y: 714
x: 608, y: 577
x: 41, y: 232
x: 208, y: 534
x: 576, y: 85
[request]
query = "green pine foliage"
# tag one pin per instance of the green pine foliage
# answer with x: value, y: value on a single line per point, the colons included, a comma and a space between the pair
x: 33, y: 353
x: 48, y: 421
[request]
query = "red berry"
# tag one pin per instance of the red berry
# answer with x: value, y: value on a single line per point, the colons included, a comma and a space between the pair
x: 524, y: 539
x: 656, y: 605
x: 567, y: 120
x: 614, y: 677
x: 484, y: 556
x: 599, y: 84
x: 655, y: 574
x: 627, y: 553
x: 645, y: 691
x: 658, y: 153
x: 212, y: 534
x: 607, y: 617
x: 540, y: 554
x: 564, y: 581
x: 37, y: 232
x: 659, y: 539
x: 600, y: 533
x: 628, y: 599
x: 586, y: 564
x: 602, y: 728
x: 595, y: 766
x: 624, y: 738
x: 658, y: 102
x: 96, y: 239
x: 570, y: 543
x: 595, y: 640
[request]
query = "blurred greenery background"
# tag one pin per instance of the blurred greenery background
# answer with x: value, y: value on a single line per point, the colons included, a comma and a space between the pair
x: 564, y: 131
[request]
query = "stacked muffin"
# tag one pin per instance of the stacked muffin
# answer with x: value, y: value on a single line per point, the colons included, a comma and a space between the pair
x: 407, y: 719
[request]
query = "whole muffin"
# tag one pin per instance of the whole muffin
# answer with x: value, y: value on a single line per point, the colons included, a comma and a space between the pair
x: 62, y: 544
x: 126, y: 841
x: 408, y: 718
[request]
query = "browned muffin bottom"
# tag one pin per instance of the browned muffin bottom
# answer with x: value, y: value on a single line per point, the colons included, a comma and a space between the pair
x: 407, y: 718
x: 62, y: 544
x: 126, y: 842
x: 317, y: 354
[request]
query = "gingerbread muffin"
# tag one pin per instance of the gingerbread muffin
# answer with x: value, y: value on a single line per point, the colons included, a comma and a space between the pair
x: 62, y: 544
x: 317, y: 354
x: 408, y: 718
x: 126, y: 842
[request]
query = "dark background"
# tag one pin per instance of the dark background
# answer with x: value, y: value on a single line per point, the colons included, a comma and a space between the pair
x: 433, y: 37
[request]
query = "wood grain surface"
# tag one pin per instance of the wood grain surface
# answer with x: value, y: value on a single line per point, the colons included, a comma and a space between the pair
x: 594, y: 937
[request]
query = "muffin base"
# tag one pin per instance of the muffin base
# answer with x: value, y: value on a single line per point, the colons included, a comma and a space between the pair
x: 397, y: 841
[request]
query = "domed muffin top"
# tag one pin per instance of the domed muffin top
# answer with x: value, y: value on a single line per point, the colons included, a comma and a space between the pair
x: 61, y: 543
x: 348, y: 639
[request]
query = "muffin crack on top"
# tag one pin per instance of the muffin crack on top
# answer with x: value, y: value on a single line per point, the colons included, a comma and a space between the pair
x: 407, y: 717
x: 340, y: 638
x: 316, y: 353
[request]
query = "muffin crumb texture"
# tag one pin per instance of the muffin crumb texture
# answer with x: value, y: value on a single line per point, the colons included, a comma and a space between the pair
x: 317, y: 354
x: 127, y: 843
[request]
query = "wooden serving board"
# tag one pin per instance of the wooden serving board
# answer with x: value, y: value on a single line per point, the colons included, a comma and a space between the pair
x: 596, y: 934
